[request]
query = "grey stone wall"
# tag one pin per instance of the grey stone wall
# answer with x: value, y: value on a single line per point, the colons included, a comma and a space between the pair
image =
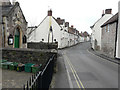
x: 15, y: 20
x: 41, y: 45
x: 0, y: 26
x: 108, y: 40
x: 27, y: 55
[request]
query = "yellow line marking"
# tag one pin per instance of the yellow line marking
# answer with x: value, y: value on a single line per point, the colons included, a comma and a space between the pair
x: 78, y: 77
x: 74, y: 73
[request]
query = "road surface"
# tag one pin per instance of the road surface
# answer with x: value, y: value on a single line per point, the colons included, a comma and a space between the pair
x: 79, y: 68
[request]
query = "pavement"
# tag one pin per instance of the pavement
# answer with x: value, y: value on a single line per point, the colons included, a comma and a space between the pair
x: 14, y: 79
x: 80, y: 68
x: 100, y: 54
x: 0, y: 79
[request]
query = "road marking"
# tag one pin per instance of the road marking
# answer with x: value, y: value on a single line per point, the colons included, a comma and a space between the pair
x: 100, y: 57
x: 69, y: 78
x: 77, y: 79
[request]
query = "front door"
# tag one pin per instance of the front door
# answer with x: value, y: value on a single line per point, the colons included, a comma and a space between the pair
x: 17, y: 38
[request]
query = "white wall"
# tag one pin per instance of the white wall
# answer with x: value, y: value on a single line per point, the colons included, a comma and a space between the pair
x: 64, y: 38
x: 97, y: 29
x: 43, y: 30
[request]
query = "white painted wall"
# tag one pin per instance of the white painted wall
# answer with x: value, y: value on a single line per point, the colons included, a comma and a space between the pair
x: 118, y: 35
x: 43, y: 29
x: 96, y: 30
x: 63, y: 38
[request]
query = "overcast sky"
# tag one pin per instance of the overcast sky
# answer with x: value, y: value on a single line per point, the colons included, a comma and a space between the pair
x: 80, y: 13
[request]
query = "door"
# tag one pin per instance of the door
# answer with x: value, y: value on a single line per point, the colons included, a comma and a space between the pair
x: 17, y: 37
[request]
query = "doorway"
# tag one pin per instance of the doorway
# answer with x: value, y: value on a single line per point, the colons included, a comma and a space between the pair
x: 17, y: 38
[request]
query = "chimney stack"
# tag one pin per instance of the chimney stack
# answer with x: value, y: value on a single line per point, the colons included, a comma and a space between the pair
x: 103, y: 13
x: 108, y: 11
x: 67, y: 24
x: 50, y: 13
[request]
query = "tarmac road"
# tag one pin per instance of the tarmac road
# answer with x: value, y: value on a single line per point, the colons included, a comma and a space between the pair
x: 79, y: 68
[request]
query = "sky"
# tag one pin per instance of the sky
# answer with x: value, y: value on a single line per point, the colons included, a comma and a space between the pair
x: 80, y: 13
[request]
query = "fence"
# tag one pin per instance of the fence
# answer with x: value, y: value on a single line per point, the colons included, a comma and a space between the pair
x: 42, y: 79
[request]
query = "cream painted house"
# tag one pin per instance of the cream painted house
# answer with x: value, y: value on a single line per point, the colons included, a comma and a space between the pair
x: 96, y: 29
x: 47, y: 31
x: 54, y: 30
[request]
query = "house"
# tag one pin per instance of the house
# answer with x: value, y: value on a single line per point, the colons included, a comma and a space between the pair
x: 71, y: 35
x: 14, y: 25
x: 47, y: 31
x: 52, y: 30
x: 96, y: 29
x: 118, y: 34
x: 64, y: 32
x: 109, y: 36
x: 81, y: 37
x: 86, y: 36
x: 29, y: 31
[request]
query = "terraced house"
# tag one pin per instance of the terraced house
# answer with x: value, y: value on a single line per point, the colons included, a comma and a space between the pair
x: 14, y: 25
x: 97, y: 30
x: 109, y: 36
x: 55, y: 30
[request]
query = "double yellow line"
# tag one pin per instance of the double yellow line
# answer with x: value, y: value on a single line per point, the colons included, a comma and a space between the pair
x: 77, y: 79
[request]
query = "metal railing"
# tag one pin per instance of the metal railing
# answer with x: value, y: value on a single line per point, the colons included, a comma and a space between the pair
x: 42, y: 79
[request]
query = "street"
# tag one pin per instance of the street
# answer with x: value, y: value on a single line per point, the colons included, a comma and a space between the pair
x: 79, y: 68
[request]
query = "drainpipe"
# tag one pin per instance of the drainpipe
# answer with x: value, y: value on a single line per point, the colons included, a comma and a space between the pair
x: 116, y: 39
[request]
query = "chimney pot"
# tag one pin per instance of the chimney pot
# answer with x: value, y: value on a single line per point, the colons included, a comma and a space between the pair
x: 50, y: 13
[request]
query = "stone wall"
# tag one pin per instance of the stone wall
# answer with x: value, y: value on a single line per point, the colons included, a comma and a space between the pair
x: 0, y: 26
x: 27, y: 55
x: 15, y: 20
x: 108, y: 40
x: 41, y: 45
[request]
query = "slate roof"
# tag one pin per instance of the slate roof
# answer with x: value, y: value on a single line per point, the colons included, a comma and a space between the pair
x: 6, y: 9
x: 111, y: 20
x: 6, y: 6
